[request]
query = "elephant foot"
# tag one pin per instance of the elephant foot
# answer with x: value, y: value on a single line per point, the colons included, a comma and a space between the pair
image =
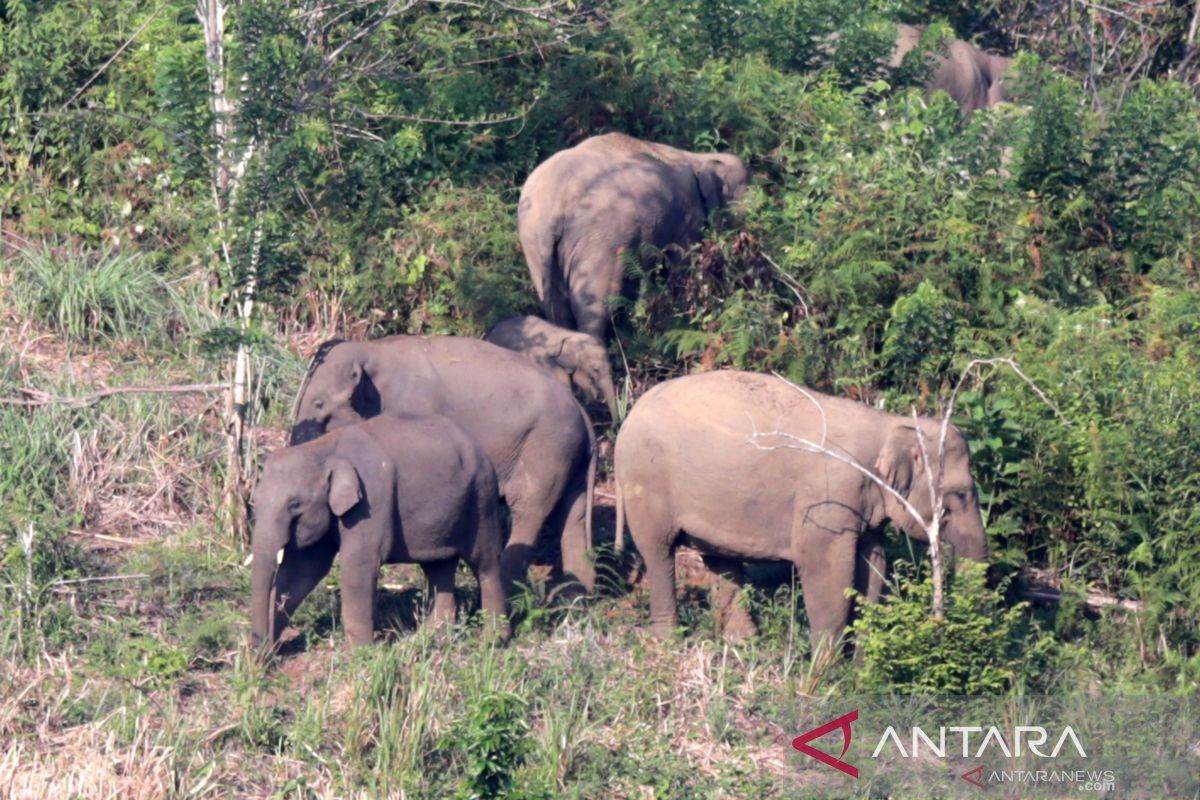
x: 739, y: 628
x: 664, y: 629
x: 497, y: 632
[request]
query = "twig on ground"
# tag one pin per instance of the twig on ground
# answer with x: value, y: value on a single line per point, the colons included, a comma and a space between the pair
x: 36, y: 397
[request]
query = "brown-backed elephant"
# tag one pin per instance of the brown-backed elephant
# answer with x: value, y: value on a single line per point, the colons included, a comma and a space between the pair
x: 393, y: 489
x: 713, y: 460
x: 585, y: 209
x: 577, y: 359
x: 973, y: 78
x: 537, y: 436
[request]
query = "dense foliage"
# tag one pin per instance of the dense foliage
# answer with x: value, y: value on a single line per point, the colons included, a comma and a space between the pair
x: 885, y: 243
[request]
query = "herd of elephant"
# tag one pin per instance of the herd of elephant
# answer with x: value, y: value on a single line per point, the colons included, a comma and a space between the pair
x: 407, y: 449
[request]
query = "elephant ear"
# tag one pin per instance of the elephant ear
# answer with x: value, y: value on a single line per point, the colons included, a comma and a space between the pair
x: 899, y: 459
x: 344, y: 492
x: 710, y: 185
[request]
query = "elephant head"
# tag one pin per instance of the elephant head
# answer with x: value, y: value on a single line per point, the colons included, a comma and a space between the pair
x: 585, y: 361
x: 337, y: 391
x: 722, y: 178
x: 904, y: 464
x: 297, y: 498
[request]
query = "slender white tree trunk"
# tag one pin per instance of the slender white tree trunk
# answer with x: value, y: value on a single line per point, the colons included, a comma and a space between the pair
x: 227, y: 172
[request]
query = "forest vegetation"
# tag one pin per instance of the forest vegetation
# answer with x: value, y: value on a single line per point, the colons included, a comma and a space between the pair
x: 199, y: 221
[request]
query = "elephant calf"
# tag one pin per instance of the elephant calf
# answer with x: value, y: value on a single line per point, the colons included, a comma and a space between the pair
x: 715, y: 461
x: 393, y: 489
x: 578, y: 359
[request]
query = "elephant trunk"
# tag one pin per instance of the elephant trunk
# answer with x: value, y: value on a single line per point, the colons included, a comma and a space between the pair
x: 970, y: 540
x: 610, y: 398
x: 264, y: 625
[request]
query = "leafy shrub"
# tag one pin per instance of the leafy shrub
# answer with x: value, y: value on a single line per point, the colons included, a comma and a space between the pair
x: 495, y: 741
x: 975, y: 650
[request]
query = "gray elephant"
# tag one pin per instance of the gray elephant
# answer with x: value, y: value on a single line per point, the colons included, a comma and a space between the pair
x: 576, y: 358
x: 393, y: 489
x: 713, y: 460
x: 537, y: 437
x: 973, y: 78
x: 585, y: 209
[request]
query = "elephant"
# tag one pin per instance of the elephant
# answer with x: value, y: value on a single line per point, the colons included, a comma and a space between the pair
x: 534, y: 432
x: 715, y: 460
x: 393, y: 489
x: 973, y: 78
x: 577, y: 359
x: 585, y: 209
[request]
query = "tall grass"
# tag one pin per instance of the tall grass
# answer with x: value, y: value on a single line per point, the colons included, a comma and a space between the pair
x: 91, y: 295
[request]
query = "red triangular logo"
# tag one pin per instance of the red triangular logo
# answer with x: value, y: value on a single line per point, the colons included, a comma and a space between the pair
x: 842, y: 723
x: 974, y: 776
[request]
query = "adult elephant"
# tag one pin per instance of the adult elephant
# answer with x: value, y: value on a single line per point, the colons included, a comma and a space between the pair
x: 585, y: 209
x: 715, y: 460
x: 973, y: 78
x: 535, y: 434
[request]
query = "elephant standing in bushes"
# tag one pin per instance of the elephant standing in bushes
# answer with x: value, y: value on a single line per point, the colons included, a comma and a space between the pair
x: 973, y: 79
x: 584, y: 209
x: 707, y: 460
x: 393, y: 489
x: 537, y: 437
x: 577, y: 359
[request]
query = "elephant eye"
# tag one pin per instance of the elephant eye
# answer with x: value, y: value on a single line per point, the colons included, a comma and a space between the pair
x: 318, y: 404
x: 293, y: 505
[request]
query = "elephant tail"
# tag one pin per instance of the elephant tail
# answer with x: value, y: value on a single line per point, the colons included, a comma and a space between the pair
x: 619, y: 533
x: 591, y: 490
x: 540, y: 238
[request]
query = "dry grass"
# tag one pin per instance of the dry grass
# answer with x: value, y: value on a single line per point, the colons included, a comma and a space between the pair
x: 80, y: 719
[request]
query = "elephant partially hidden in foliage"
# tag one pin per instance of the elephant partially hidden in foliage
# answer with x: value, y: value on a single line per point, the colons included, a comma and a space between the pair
x: 973, y: 78
x: 713, y: 461
x: 576, y: 358
x: 585, y: 209
x: 535, y: 434
x: 393, y: 489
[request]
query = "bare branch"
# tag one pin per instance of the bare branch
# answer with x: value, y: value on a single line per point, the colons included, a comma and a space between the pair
x: 36, y: 397
x: 794, y: 442
x: 103, y: 67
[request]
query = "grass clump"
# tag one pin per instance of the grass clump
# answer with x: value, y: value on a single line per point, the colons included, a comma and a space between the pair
x: 90, y: 295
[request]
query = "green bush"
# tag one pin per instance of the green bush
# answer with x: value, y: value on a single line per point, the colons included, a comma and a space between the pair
x: 975, y: 650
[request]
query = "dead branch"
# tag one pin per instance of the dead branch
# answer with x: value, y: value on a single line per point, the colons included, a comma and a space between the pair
x: 1093, y: 600
x: 37, y: 398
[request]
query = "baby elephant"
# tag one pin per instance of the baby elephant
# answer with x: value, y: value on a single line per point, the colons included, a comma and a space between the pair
x: 579, y: 360
x: 392, y: 489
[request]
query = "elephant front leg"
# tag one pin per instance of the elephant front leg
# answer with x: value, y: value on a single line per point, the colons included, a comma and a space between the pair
x: 733, y: 620
x: 440, y: 577
x: 360, y: 580
x: 870, y: 573
x: 299, y: 572
x: 826, y: 563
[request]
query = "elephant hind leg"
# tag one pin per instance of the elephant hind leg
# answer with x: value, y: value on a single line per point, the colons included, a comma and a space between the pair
x: 654, y: 532
x: 570, y: 517
x: 492, y: 597
x: 733, y: 620
x: 440, y: 577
